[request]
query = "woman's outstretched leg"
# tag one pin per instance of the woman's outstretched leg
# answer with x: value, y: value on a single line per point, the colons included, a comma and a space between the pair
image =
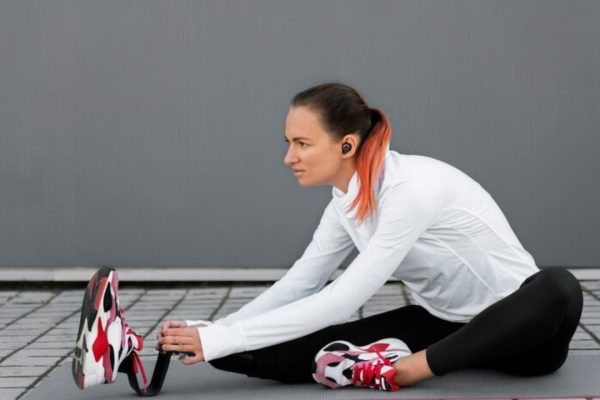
x: 527, y: 333
x: 291, y: 362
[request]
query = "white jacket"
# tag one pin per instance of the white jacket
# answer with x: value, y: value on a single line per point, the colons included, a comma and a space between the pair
x: 435, y: 228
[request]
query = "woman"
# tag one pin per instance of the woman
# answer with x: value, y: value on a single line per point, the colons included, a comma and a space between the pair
x: 481, y: 299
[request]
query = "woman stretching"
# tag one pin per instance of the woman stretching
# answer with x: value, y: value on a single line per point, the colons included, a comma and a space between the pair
x: 481, y: 301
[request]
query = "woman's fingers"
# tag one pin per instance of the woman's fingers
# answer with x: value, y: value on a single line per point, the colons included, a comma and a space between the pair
x: 188, y: 332
x: 181, y: 348
x: 183, y: 340
x: 176, y: 339
x: 192, y: 360
x: 173, y: 324
x: 174, y: 336
x: 169, y: 324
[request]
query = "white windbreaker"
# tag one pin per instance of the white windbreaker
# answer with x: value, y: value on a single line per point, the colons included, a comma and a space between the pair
x: 435, y: 228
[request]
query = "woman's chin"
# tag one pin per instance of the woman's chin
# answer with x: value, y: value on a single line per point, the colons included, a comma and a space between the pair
x: 303, y: 182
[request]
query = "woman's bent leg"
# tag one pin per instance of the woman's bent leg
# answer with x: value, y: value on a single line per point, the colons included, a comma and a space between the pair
x: 526, y: 333
x: 291, y: 361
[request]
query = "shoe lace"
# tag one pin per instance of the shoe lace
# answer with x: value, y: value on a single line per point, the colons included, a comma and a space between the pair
x: 138, y: 366
x: 368, y: 373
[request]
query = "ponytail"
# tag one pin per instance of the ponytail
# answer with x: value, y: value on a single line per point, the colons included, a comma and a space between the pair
x: 369, y: 162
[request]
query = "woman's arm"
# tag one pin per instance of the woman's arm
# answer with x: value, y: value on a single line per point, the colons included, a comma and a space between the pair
x: 329, y: 246
x: 406, y: 212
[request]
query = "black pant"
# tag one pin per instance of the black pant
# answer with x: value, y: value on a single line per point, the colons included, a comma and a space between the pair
x: 527, y: 333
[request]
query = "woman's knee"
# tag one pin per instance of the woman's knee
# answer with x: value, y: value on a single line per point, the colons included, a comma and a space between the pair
x: 562, y: 287
x: 539, y: 364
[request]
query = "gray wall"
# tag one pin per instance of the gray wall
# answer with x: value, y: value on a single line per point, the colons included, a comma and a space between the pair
x: 149, y: 133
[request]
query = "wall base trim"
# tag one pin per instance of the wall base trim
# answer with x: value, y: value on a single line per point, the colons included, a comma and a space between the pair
x: 200, y: 274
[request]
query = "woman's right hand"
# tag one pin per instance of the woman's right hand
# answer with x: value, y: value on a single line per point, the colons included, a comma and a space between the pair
x: 170, y: 323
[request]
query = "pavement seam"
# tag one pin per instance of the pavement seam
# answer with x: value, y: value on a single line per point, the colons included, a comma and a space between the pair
x: 44, y: 304
x: 591, y: 293
x: 10, y: 298
x: 589, y: 332
x: 227, y: 296
x: 585, y: 328
x: 223, y: 301
x: 37, y: 337
x: 178, y: 302
x: 49, y: 370
x: 45, y: 374
x: 405, y: 293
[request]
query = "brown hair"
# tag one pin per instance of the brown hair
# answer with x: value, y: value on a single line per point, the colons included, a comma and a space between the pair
x: 342, y: 111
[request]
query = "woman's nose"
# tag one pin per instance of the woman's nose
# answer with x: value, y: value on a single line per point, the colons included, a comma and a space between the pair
x: 289, y: 157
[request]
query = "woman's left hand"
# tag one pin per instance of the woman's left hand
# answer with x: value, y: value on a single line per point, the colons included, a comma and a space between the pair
x: 183, y: 340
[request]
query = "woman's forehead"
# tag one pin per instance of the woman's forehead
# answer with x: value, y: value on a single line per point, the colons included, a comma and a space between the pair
x: 303, y: 123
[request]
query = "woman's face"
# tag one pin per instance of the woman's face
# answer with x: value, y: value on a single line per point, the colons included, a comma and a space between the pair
x: 311, y: 149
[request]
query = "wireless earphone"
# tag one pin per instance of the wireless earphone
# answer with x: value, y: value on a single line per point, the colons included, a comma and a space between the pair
x: 346, y: 147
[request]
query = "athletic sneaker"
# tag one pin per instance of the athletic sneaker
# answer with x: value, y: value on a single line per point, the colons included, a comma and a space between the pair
x: 341, y: 363
x: 105, y: 341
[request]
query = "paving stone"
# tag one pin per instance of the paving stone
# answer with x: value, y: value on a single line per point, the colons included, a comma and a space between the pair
x: 150, y: 308
x: 20, y: 339
x: 198, y: 303
x: 584, y: 344
x: 21, y: 382
x: 194, y: 310
x: 246, y: 292
x: 13, y: 372
x: 21, y: 360
x: 36, y: 323
x: 10, y: 394
x: 581, y: 335
x: 9, y: 346
x: 138, y: 320
x: 585, y: 351
x: 32, y: 297
x: 590, y: 321
x: 194, y: 315
x: 50, y: 345
x: 591, y: 285
x: 42, y: 352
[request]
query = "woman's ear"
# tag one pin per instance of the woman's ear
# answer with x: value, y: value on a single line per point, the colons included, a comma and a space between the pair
x: 350, y: 142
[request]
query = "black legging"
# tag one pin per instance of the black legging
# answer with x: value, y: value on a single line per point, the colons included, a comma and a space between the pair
x: 527, y: 333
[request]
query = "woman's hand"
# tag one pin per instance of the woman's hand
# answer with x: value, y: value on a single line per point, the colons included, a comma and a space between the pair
x: 166, y: 325
x: 176, y: 336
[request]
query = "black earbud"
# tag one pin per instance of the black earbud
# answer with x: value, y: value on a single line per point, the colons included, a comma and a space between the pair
x: 346, y: 147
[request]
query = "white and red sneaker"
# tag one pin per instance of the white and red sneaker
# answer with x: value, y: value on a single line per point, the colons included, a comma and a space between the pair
x: 341, y: 363
x: 105, y: 341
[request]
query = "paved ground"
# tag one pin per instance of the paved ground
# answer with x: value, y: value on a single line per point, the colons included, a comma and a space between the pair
x: 38, y: 327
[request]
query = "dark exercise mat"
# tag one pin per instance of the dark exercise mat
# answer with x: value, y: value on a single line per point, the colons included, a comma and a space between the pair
x: 579, y: 377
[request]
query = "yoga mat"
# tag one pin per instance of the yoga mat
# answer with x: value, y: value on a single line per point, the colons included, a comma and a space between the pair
x: 579, y: 377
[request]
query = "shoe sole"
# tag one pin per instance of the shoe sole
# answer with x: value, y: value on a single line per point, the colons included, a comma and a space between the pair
x: 94, y: 357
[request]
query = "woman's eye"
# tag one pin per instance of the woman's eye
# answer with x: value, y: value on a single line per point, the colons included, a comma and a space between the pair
x: 300, y: 143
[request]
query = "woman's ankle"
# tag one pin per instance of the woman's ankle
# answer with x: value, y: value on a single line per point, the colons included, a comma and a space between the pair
x: 412, y: 369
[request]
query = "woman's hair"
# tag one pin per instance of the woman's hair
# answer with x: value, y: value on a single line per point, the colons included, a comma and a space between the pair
x: 342, y: 111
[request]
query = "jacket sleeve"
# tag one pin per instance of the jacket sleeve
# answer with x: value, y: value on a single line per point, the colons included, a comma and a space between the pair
x: 406, y: 211
x: 329, y: 246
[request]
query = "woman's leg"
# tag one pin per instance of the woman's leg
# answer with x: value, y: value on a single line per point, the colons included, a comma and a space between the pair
x: 291, y: 361
x: 526, y: 333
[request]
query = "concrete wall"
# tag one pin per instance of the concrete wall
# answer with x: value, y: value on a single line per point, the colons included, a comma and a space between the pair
x: 149, y: 133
